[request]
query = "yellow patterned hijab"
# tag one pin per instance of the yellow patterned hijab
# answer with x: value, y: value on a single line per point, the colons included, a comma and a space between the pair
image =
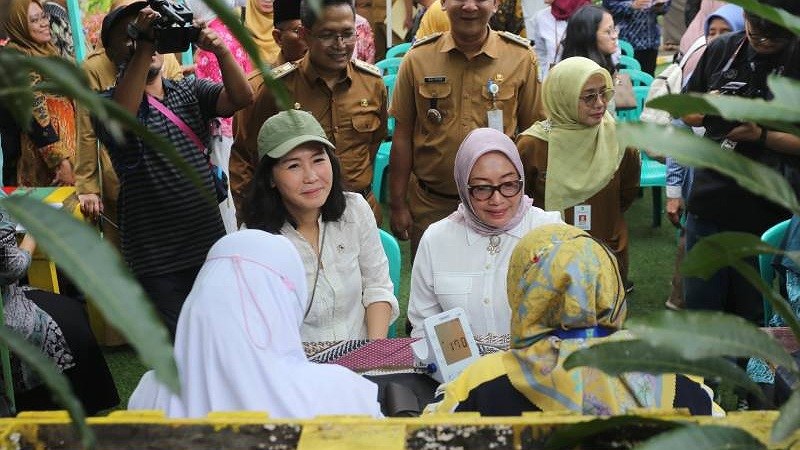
x: 260, y: 26
x: 560, y: 278
x: 581, y: 160
x: 17, y: 28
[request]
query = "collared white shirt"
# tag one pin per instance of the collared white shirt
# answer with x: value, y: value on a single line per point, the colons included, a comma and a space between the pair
x: 354, y: 274
x: 546, y: 34
x: 454, y: 268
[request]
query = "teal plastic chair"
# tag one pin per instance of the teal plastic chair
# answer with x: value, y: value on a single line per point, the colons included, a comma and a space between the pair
x: 632, y: 115
x: 389, y: 66
x: 639, y: 78
x: 625, y: 47
x: 773, y: 237
x: 398, y: 50
x: 388, y: 81
x: 392, y: 249
x: 379, y: 169
x: 654, y: 175
x: 629, y: 62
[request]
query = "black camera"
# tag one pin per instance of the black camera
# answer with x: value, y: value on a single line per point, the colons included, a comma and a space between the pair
x: 173, y: 31
x: 717, y: 127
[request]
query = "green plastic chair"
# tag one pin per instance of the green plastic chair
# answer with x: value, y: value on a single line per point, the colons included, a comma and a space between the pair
x: 379, y: 169
x: 639, y: 78
x: 773, y: 237
x: 629, y: 62
x: 625, y: 47
x: 632, y: 115
x: 392, y: 249
x: 398, y: 50
x: 654, y: 175
x: 389, y: 66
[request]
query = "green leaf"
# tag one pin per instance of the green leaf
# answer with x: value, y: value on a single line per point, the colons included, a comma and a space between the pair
x: 96, y: 268
x: 15, y: 91
x: 709, y: 437
x: 54, y: 380
x: 690, y: 150
x: 615, y: 358
x: 727, y: 249
x: 703, y: 334
x: 789, y: 420
x: 243, y: 35
x: 599, y: 433
x: 774, y: 15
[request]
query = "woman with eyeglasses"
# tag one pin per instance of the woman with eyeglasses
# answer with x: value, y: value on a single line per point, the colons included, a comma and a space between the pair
x: 297, y: 192
x: 591, y: 33
x: 462, y: 259
x: 42, y: 156
x: 573, y: 160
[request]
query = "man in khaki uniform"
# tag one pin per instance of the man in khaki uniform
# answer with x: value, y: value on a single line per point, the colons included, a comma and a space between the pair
x: 375, y: 13
x: 346, y: 96
x: 449, y: 84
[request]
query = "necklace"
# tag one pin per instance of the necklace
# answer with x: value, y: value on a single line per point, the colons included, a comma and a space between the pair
x: 494, y: 245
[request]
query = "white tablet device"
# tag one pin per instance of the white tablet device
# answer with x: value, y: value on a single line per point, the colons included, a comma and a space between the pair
x: 448, y: 345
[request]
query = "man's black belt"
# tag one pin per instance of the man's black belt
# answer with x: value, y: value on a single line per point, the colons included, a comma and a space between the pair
x: 425, y: 188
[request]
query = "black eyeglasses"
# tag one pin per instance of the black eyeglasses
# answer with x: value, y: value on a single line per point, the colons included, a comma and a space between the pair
x: 591, y: 98
x: 347, y: 37
x: 486, y: 191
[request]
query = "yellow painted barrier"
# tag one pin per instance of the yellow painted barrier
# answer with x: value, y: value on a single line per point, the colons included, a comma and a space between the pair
x: 254, y: 430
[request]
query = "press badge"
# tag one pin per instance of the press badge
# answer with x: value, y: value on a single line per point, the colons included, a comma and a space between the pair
x: 583, y: 217
x: 494, y: 116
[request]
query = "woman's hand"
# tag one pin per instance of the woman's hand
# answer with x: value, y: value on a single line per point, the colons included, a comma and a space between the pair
x: 64, y: 174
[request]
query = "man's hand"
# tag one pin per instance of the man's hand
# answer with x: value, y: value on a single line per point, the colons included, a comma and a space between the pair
x: 209, y: 40
x: 746, y: 132
x: 64, y: 174
x: 640, y: 4
x: 401, y: 222
x: 91, y: 205
x: 675, y: 211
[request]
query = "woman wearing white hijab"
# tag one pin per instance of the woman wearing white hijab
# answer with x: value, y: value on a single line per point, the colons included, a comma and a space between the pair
x: 462, y: 259
x: 238, y: 344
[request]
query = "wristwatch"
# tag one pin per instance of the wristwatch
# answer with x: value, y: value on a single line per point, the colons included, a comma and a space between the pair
x: 136, y: 34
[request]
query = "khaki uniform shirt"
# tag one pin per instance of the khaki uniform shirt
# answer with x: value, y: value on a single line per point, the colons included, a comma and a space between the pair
x: 353, y: 116
x: 436, y: 75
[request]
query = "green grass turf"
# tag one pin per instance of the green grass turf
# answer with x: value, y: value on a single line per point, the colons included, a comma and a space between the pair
x: 652, y: 253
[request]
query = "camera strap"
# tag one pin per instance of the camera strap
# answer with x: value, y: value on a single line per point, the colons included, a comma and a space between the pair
x: 180, y: 123
x: 733, y: 57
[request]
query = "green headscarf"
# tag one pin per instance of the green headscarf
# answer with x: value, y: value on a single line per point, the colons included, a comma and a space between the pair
x: 581, y: 160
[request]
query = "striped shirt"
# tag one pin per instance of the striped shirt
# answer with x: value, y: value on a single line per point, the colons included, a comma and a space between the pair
x: 165, y: 222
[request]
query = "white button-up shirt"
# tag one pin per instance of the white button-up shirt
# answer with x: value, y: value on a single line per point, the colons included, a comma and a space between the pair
x: 354, y: 274
x: 454, y: 268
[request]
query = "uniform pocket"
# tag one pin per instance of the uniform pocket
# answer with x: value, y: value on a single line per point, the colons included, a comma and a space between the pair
x: 437, y: 96
x: 366, y: 122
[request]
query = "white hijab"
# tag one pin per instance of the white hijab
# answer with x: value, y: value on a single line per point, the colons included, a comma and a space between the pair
x: 238, y: 343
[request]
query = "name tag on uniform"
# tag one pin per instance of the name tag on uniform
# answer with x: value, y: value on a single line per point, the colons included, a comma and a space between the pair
x: 439, y: 79
x: 583, y: 217
x: 495, y: 119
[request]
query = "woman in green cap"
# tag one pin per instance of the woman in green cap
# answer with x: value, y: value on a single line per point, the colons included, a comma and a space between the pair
x: 297, y: 192
x: 573, y: 160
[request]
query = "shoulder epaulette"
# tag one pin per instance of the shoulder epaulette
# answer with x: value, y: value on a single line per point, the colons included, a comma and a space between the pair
x: 426, y: 39
x: 283, y: 70
x: 253, y: 75
x: 515, y: 38
x: 367, y: 67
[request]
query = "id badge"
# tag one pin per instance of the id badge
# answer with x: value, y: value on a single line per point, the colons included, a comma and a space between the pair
x: 495, y: 118
x: 583, y: 217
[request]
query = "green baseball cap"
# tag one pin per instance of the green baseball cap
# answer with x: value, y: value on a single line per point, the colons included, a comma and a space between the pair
x: 284, y: 131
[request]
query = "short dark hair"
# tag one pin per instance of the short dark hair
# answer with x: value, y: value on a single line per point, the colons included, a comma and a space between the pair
x: 309, y: 17
x: 580, y: 37
x: 263, y: 208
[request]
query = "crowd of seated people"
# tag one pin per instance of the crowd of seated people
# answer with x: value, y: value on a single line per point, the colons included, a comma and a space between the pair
x: 505, y: 174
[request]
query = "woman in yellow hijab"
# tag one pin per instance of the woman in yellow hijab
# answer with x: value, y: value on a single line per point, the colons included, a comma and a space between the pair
x: 565, y: 294
x: 42, y: 157
x: 573, y: 160
x: 258, y: 18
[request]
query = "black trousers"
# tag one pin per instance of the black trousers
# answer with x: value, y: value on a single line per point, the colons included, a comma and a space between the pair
x: 168, y: 292
x: 647, y: 58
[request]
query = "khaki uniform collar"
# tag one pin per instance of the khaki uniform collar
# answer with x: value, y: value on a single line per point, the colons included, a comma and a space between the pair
x: 490, y: 46
x: 311, y: 73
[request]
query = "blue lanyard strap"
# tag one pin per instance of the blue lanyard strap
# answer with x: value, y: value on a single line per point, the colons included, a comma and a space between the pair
x: 583, y: 333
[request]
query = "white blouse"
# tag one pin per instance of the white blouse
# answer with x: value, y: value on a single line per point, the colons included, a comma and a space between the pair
x: 354, y: 274
x: 546, y: 34
x: 453, y: 267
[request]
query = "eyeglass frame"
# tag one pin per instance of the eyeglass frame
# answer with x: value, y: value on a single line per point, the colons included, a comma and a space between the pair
x: 45, y: 16
x: 329, y: 39
x: 495, y: 188
x: 760, y: 38
x: 614, y: 31
x: 591, y: 99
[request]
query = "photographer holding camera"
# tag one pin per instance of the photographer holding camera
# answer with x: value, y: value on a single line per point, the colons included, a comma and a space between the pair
x: 166, y: 224
x: 738, y: 64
